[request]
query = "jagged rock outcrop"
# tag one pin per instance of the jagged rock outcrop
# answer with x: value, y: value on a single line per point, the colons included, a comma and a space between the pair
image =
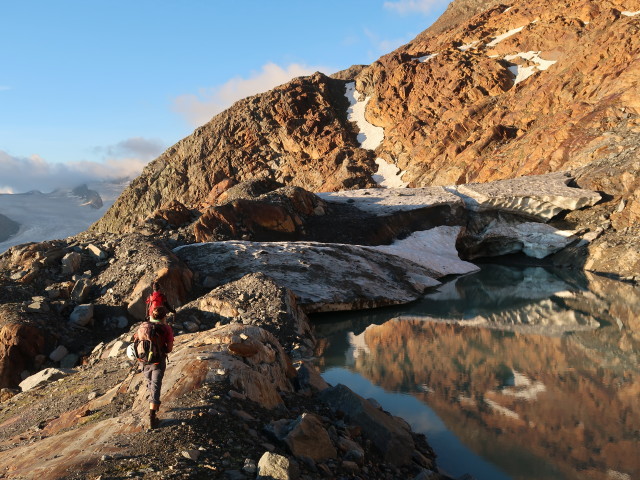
x: 276, y: 215
x: 297, y: 133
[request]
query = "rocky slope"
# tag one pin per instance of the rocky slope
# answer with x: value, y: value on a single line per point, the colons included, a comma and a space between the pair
x: 489, y: 92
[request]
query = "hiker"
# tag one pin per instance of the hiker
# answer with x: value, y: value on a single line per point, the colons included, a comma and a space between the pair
x: 157, y: 299
x: 153, y: 341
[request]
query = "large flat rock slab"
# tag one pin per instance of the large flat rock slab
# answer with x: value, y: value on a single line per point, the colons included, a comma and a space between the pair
x: 327, y: 277
x: 538, y: 196
x: 387, y: 201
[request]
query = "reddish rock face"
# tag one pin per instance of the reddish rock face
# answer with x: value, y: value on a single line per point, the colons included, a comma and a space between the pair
x: 173, y: 213
x: 218, y: 190
x: 19, y: 345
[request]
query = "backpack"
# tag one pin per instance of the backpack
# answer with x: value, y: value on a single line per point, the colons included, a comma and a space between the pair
x: 149, y: 344
x: 155, y: 300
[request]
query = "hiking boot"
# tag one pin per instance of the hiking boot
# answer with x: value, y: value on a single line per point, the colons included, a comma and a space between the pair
x: 153, y: 420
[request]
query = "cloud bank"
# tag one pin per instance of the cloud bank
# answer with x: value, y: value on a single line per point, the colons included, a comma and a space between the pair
x: 405, y: 7
x: 199, y: 109
x: 123, y: 160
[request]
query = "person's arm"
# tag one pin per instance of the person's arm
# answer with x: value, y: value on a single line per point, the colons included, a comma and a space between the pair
x: 166, y: 304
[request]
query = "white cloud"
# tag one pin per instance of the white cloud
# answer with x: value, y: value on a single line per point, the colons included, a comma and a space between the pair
x: 123, y: 160
x: 137, y: 147
x: 426, y: 7
x: 199, y: 109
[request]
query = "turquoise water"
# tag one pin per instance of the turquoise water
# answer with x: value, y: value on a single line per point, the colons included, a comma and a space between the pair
x: 511, y: 373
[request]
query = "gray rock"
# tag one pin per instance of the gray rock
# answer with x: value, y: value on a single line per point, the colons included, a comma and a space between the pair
x: 391, y: 438
x: 44, y: 376
x: 191, y: 454
x: 81, y: 290
x: 38, y: 306
x: 308, y: 437
x: 69, y: 361
x: 118, y: 347
x: 59, y: 353
x: 82, y: 315
x: 96, y: 252
x: 277, y: 467
x: 191, y: 327
x: 52, y: 292
x: 18, y: 275
x: 71, y: 262
x: 324, y: 277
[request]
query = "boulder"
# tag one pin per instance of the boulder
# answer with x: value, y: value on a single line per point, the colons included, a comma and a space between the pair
x: 81, y: 290
x: 71, y: 262
x: 541, y: 197
x: 325, y: 277
x: 263, y: 303
x: 59, y: 353
x: 272, y: 466
x: 174, y: 277
x: 218, y: 190
x: 20, y: 344
x: 96, y: 252
x: 172, y: 213
x: 44, y: 376
x: 390, y: 437
x: 307, y: 437
x: 82, y: 315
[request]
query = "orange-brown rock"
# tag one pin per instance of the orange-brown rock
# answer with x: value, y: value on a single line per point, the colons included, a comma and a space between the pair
x: 217, y: 192
x: 297, y: 134
x: 243, y: 349
x: 173, y: 213
x: 274, y: 215
x: 19, y: 345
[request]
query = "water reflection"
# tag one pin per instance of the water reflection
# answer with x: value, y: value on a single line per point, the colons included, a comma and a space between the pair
x: 546, y: 388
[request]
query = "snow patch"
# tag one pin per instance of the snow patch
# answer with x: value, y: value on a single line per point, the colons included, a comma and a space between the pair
x: 522, y: 73
x: 370, y: 136
x: 388, y: 175
x: 630, y: 14
x: 502, y: 37
x: 426, y: 58
x: 501, y: 410
x: 435, y: 248
x: 357, y: 346
x: 468, y: 46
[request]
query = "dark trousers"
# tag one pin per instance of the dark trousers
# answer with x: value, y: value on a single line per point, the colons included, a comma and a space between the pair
x: 154, y: 374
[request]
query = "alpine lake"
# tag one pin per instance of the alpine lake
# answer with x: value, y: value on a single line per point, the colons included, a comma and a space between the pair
x: 511, y: 372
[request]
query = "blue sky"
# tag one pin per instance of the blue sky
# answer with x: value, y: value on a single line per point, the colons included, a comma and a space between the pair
x: 95, y: 89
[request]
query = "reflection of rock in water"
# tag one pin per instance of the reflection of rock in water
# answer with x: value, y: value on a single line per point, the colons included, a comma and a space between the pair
x: 571, y: 400
x: 528, y: 300
x: 545, y: 317
x: 498, y: 390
